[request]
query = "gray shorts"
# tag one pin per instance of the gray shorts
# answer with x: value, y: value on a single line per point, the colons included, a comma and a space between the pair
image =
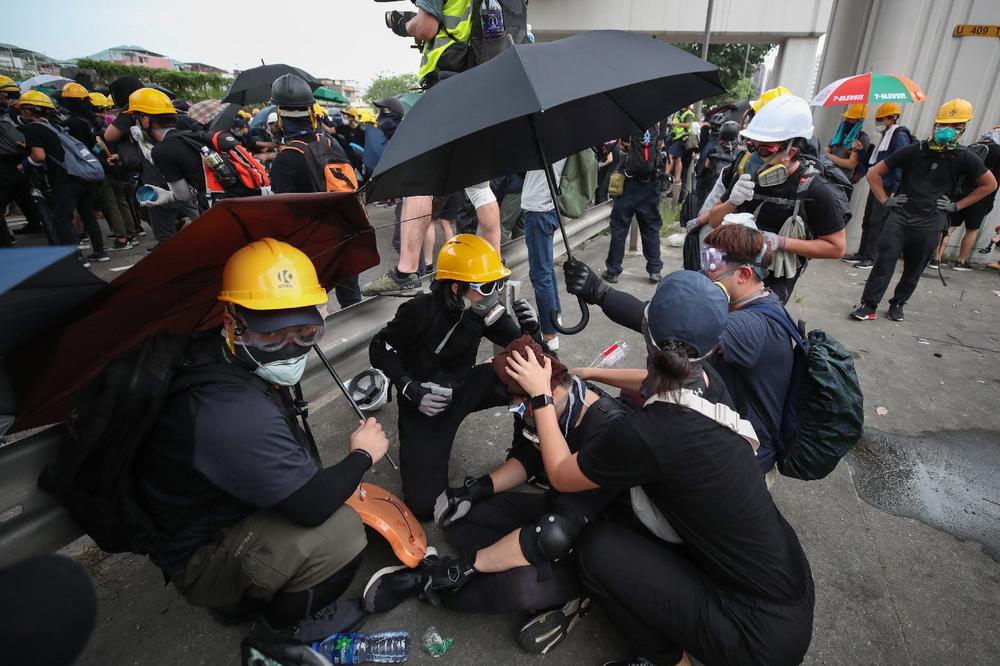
x: 265, y: 553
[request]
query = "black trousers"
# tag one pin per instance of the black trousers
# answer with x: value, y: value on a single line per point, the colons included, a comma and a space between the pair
x: 15, y: 187
x: 666, y: 605
x: 871, y: 227
x: 425, y: 441
x: 915, y: 245
x: 69, y: 194
x: 530, y: 588
x: 641, y: 199
x: 348, y: 291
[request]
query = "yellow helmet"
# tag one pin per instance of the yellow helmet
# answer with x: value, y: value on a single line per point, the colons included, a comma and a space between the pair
x: 856, y: 112
x: 767, y: 96
x: 151, y: 101
x: 35, y: 98
x: 469, y: 258
x: 888, y: 109
x: 99, y: 100
x: 954, y: 111
x: 7, y: 85
x: 74, y: 90
x: 318, y: 110
x: 245, y: 115
x: 271, y: 275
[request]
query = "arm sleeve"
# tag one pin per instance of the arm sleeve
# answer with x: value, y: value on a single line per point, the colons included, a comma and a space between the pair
x: 504, y: 330
x: 524, y: 451
x: 619, y: 459
x: 432, y: 7
x: 182, y: 191
x: 389, y: 346
x: 623, y: 309
x: 326, y: 491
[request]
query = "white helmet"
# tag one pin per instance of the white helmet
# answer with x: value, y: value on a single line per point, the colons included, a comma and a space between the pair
x: 369, y: 389
x: 783, y: 118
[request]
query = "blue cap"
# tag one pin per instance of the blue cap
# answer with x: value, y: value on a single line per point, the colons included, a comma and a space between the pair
x: 689, y: 308
x: 266, y: 321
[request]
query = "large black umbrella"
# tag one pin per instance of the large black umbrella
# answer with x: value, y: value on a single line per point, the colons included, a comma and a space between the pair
x: 534, y: 104
x: 254, y: 85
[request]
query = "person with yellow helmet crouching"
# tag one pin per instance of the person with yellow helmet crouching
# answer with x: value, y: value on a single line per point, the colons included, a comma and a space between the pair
x: 254, y: 525
x: 918, y: 212
x: 428, y: 352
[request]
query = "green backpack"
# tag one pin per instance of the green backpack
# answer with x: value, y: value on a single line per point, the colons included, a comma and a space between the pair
x: 578, y: 183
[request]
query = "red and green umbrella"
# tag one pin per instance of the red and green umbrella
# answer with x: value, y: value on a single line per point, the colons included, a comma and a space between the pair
x: 870, y: 88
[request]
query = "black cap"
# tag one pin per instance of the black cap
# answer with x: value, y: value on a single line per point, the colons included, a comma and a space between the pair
x: 391, y: 104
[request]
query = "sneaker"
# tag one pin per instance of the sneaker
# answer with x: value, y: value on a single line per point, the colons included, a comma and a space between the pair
x: 655, y: 278
x: 609, y: 277
x: 123, y: 244
x: 864, y: 263
x: 962, y: 266
x: 638, y: 661
x: 544, y: 632
x: 84, y: 262
x: 391, y: 586
x: 933, y: 264
x: 83, y: 245
x: 141, y: 232
x: 864, y: 312
x: 99, y: 257
x: 553, y: 344
x: 895, y: 312
x: 852, y: 258
x: 149, y: 250
x: 392, y: 284
x: 343, y: 615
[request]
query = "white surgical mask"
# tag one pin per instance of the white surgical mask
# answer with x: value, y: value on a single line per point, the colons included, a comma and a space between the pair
x: 286, y: 373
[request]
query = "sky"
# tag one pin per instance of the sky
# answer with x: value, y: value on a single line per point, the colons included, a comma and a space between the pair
x: 339, y: 39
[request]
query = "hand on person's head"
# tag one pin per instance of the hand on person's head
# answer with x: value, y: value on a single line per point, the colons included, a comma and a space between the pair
x: 534, y: 377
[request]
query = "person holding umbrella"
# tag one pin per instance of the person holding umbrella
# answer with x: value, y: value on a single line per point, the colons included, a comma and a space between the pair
x: 918, y: 213
x: 254, y: 526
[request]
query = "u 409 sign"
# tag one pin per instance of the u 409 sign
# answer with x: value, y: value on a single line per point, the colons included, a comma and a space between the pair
x: 968, y: 30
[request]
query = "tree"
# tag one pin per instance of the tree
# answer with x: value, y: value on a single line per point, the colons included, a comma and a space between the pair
x: 193, y: 86
x: 730, y: 57
x: 389, y: 85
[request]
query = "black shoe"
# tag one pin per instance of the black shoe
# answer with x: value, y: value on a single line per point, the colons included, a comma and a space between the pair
x: 933, y: 264
x: 149, y: 250
x: 864, y: 263
x: 609, y: 277
x: 655, y: 278
x: 544, y: 632
x: 99, y: 257
x: 895, y: 312
x: 638, y: 661
x: 851, y: 258
x: 864, y: 312
x: 391, y: 586
x: 343, y: 615
x: 961, y: 266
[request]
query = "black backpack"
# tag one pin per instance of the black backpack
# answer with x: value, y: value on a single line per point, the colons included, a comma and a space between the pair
x: 93, y: 473
x: 641, y: 153
x: 823, y: 415
x: 11, y: 138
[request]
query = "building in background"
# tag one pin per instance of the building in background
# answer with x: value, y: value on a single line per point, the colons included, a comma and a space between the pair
x: 134, y: 55
x: 22, y: 63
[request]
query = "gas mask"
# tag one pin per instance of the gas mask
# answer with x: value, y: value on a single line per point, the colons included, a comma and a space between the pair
x: 489, y: 308
x: 287, y: 372
x: 775, y: 174
x: 945, y: 137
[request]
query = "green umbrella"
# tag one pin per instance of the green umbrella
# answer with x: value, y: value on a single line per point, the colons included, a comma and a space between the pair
x: 408, y: 99
x: 329, y: 95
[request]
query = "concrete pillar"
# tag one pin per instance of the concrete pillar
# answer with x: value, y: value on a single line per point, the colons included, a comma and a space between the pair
x: 796, y: 66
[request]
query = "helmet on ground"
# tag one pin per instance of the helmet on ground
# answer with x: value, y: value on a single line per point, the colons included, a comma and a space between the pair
x: 729, y: 131
x: 35, y: 98
x: 856, y: 111
x: 291, y: 91
x: 954, y: 111
x: 74, y: 90
x: 469, y: 258
x: 888, y: 109
x: 767, y: 96
x: 369, y: 389
x: 151, y: 101
x: 787, y: 117
x: 7, y: 85
x: 99, y: 100
x: 270, y: 275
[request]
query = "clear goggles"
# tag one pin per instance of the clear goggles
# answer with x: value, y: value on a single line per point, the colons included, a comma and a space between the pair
x: 487, y: 288
x: 712, y: 258
x: 305, y: 336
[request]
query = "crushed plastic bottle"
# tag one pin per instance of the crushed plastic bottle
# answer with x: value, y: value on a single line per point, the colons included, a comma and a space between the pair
x: 611, y: 356
x: 434, y: 644
x: 380, y: 647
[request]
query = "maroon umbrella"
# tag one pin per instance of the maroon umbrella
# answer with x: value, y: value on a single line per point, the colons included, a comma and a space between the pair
x: 174, y: 290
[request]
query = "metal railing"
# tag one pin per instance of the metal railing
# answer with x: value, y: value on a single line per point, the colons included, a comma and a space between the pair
x: 31, y: 521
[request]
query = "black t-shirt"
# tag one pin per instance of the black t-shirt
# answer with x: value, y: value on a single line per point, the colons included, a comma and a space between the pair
x: 177, y: 160
x: 928, y: 175
x: 37, y: 135
x: 81, y: 129
x: 992, y: 162
x: 823, y: 214
x: 705, y: 480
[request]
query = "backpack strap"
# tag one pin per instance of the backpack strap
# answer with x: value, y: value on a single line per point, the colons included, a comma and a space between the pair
x: 722, y: 414
x: 779, y: 314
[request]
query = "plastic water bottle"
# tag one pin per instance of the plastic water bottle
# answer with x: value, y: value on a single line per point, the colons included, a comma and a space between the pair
x: 380, y: 647
x: 491, y: 16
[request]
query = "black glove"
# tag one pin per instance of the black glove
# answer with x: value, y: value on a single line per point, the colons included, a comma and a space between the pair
x: 526, y: 317
x: 583, y: 282
x: 430, y: 398
x: 454, y: 503
x: 396, y: 21
x: 446, y: 574
x: 896, y: 201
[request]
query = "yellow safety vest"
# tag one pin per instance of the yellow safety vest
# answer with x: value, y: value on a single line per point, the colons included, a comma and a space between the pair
x: 684, y: 116
x: 456, y: 27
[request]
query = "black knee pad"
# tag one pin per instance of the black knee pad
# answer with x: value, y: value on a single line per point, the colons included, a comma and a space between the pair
x: 548, y: 540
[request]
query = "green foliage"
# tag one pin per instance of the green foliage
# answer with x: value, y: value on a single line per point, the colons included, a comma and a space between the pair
x: 389, y: 85
x: 193, y: 86
x: 729, y: 57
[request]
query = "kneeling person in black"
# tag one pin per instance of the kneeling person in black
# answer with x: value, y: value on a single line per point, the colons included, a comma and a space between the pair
x: 232, y: 476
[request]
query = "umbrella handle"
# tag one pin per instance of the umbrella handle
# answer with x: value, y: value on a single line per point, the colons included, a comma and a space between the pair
x: 571, y: 330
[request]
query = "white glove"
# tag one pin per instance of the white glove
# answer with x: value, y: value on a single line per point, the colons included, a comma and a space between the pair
x: 742, y: 190
x: 162, y: 197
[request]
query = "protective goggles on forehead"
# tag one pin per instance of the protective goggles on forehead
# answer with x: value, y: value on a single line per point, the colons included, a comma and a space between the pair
x: 487, y: 288
x: 305, y: 336
x: 712, y: 259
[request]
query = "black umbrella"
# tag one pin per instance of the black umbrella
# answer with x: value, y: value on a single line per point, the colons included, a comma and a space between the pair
x: 254, y: 85
x: 536, y: 103
x: 166, y: 91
